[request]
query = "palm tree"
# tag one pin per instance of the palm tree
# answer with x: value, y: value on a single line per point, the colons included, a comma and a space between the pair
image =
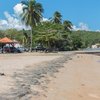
x: 67, y: 25
x: 57, y: 17
x: 26, y: 38
x: 32, y: 15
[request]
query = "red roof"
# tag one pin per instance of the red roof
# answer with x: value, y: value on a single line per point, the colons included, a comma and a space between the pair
x: 6, y: 40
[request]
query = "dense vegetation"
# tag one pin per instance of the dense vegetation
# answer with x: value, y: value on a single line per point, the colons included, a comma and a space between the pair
x: 53, y: 36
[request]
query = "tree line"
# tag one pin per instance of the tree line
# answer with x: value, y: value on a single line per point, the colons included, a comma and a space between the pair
x: 50, y: 38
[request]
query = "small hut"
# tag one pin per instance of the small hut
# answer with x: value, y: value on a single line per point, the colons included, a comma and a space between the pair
x: 5, y: 41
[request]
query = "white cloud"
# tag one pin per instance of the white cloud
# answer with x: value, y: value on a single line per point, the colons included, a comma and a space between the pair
x: 10, y: 19
x: 11, y: 22
x: 45, y: 19
x: 3, y: 24
x: 81, y: 26
x: 18, y: 9
x: 97, y: 30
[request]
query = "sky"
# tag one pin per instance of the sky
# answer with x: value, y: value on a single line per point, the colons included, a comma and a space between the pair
x: 84, y: 14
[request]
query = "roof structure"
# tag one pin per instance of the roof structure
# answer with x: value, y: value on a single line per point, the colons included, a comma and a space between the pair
x: 6, y: 40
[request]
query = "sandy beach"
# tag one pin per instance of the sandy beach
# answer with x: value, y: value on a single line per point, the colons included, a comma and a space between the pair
x: 10, y: 64
x: 50, y: 77
x: 78, y: 80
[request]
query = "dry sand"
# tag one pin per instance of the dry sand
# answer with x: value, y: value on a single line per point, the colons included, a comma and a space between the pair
x: 79, y: 80
x: 13, y: 63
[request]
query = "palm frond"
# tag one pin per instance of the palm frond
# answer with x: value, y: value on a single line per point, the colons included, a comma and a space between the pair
x: 25, y: 8
x: 24, y: 3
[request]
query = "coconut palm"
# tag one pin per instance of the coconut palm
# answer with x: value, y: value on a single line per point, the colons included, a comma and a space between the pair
x: 32, y: 15
x: 26, y: 38
x: 57, y: 17
x: 67, y: 25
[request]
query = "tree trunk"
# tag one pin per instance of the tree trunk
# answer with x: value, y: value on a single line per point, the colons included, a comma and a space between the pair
x: 31, y: 41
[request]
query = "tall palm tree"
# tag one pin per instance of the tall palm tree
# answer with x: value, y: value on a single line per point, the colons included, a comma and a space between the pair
x: 32, y: 15
x: 57, y: 17
x: 67, y: 25
x: 26, y: 38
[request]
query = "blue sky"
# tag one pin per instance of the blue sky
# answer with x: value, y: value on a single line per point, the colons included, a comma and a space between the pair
x: 86, y: 12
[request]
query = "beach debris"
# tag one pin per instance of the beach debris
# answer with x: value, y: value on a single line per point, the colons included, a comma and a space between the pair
x: 2, y: 74
x: 82, y: 84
